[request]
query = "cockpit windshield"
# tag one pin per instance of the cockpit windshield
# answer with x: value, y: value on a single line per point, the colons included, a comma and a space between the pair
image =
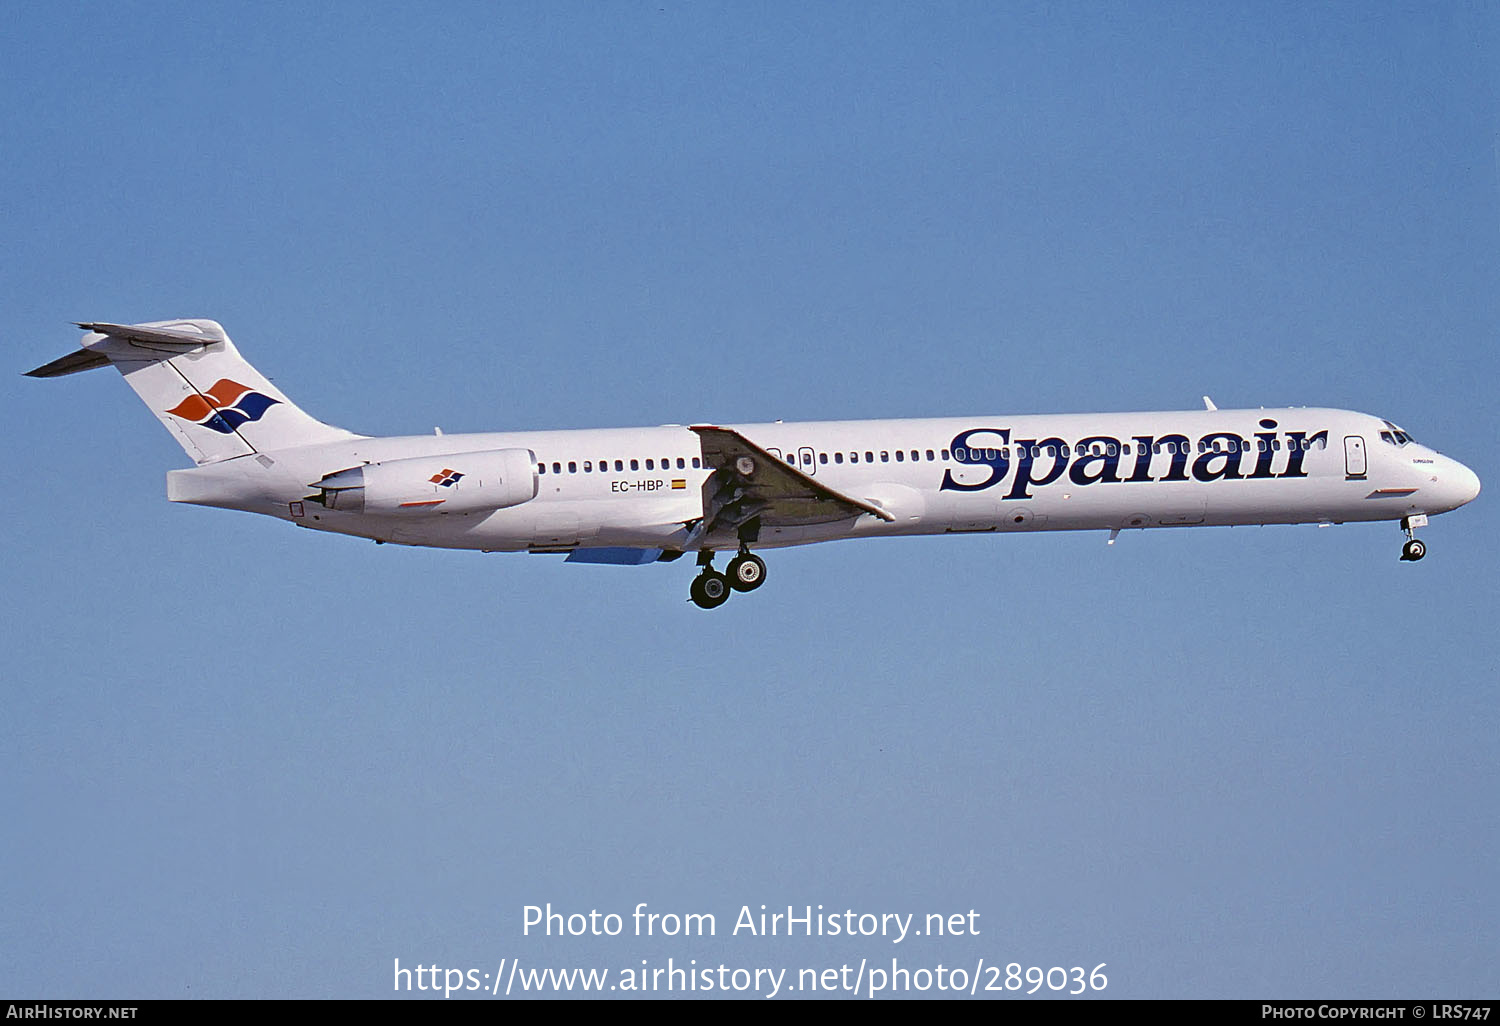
x: 1394, y: 435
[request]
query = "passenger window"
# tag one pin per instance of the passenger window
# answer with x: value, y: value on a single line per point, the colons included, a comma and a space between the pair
x: 557, y: 468
x: 588, y: 466
x: 572, y: 466
x: 945, y: 455
x: 900, y: 456
x: 838, y: 457
x: 869, y: 456
x: 635, y: 464
x: 695, y: 463
x: 650, y: 465
x: 619, y: 464
x: 823, y: 458
x: 681, y: 463
x: 929, y: 456
x: 541, y: 468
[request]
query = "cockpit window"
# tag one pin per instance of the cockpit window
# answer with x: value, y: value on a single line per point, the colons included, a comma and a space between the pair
x: 1395, y: 435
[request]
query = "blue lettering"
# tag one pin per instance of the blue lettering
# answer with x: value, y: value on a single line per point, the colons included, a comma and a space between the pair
x: 1142, y: 469
x: 1300, y: 442
x: 995, y: 459
x: 1048, y: 448
x: 1229, y: 452
x: 1107, y: 457
x: 1266, y: 443
x: 1222, y: 456
x: 1178, y: 446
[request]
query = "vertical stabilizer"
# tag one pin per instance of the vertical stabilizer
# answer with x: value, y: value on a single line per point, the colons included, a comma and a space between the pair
x: 194, y: 380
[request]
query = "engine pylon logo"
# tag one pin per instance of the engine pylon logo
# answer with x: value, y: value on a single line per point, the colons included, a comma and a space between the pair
x: 224, y: 407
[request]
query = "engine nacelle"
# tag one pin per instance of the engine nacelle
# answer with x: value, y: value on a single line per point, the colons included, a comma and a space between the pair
x: 464, y: 482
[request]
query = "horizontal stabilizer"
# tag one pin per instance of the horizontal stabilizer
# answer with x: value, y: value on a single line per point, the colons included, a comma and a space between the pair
x: 73, y: 363
x: 158, y: 336
x: 88, y: 358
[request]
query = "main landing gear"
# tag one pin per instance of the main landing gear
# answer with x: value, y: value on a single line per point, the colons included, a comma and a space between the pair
x: 1414, y: 549
x: 710, y: 589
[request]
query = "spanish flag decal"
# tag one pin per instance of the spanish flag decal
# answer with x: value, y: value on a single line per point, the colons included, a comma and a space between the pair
x: 678, y: 482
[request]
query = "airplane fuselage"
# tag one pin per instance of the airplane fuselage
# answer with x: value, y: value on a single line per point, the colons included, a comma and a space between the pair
x: 642, y: 487
x: 637, y: 495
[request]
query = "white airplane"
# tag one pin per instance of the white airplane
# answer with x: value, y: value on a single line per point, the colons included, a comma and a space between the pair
x: 641, y: 495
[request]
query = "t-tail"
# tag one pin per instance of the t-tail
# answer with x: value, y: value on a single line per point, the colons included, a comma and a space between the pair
x: 192, y: 377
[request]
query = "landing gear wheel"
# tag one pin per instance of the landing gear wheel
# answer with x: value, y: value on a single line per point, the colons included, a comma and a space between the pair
x: 747, y: 572
x: 710, y: 589
x: 1413, y: 550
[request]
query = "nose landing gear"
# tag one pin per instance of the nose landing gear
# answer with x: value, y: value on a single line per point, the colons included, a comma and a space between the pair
x: 1414, y: 549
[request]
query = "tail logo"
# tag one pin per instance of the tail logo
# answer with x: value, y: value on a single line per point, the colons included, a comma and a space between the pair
x: 224, y: 407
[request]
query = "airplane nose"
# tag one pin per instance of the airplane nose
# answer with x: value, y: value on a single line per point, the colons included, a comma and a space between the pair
x: 1467, y: 483
x: 1457, y: 484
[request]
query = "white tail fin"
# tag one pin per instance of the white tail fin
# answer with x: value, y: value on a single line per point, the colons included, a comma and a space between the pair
x: 192, y: 377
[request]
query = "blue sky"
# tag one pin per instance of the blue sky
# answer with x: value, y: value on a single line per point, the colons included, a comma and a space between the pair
x: 243, y: 760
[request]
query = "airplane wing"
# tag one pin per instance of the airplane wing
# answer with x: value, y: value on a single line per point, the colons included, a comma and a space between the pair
x: 749, y: 482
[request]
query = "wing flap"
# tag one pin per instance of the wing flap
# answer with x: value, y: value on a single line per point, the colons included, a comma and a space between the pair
x: 748, y: 483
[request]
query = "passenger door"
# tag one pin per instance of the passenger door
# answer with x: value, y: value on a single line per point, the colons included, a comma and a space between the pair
x: 1354, y: 458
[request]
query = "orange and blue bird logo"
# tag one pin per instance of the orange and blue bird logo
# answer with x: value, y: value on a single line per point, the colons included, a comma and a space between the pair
x: 224, y: 407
